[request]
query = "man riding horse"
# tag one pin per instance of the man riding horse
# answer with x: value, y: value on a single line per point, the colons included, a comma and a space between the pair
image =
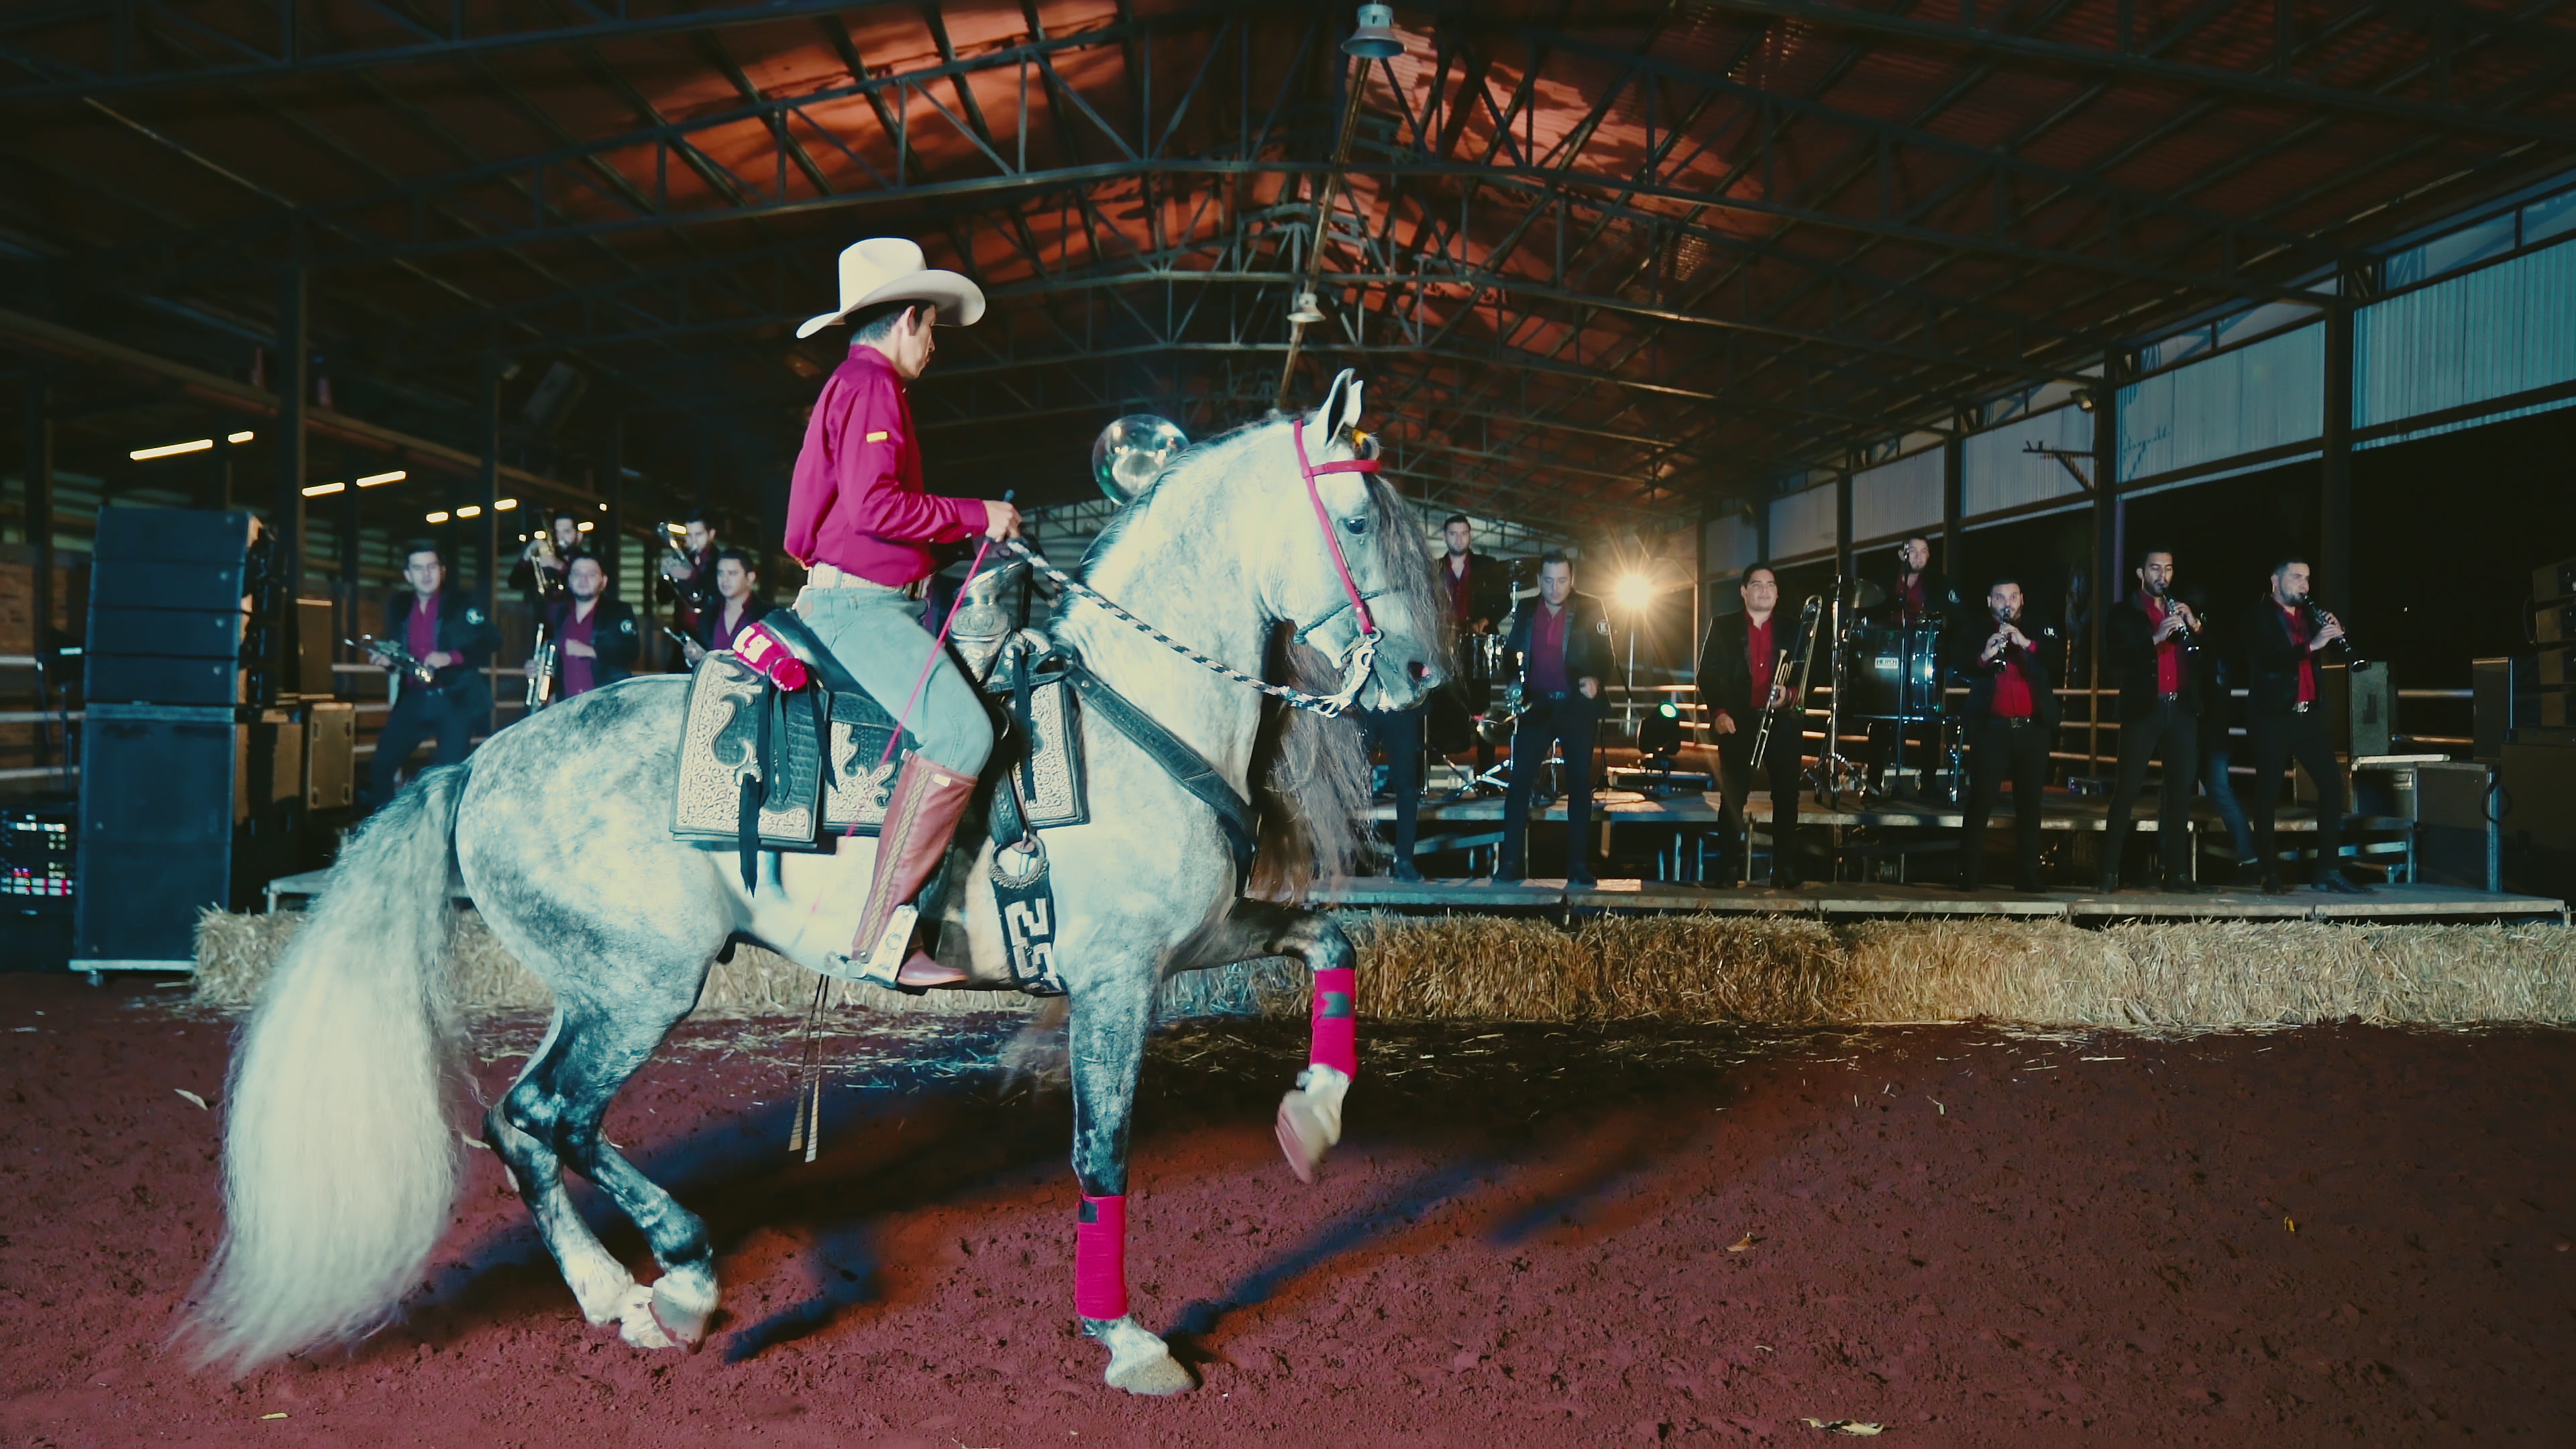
x: 859, y: 522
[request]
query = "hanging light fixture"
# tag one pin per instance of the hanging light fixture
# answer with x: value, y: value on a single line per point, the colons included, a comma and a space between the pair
x: 1375, y: 39
x: 1306, y: 313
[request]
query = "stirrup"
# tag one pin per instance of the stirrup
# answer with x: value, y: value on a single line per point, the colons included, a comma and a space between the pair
x: 882, y: 966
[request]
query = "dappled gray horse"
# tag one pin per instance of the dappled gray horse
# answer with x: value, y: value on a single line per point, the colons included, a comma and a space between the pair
x: 339, y: 1155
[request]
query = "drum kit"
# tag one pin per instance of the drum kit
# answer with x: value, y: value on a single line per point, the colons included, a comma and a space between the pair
x: 1885, y: 674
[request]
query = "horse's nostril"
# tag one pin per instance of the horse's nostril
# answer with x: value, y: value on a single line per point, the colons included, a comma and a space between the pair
x: 1418, y: 669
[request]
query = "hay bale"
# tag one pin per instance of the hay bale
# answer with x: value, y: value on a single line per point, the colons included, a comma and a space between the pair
x: 1944, y: 968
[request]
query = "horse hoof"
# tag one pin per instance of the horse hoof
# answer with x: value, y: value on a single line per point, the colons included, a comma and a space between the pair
x: 637, y: 1325
x: 1158, y: 1377
x: 1139, y: 1362
x: 682, y: 1304
x: 1304, y: 1136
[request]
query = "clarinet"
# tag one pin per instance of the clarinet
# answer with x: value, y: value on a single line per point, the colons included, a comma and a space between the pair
x: 2316, y: 620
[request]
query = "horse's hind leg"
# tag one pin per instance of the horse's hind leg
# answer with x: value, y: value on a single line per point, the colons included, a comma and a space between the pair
x: 1310, y: 1118
x: 599, y: 1283
x: 1107, y: 1044
x: 560, y: 1103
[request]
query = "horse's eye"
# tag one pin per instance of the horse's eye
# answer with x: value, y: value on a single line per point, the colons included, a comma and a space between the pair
x: 1356, y: 525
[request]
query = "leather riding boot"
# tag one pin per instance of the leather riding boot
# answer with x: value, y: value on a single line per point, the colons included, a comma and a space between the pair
x: 919, y: 822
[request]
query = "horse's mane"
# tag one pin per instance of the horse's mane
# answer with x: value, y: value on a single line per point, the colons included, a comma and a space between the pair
x: 1309, y: 775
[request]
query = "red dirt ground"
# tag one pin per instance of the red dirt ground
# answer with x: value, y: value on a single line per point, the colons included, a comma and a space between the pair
x: 1530, y: 1237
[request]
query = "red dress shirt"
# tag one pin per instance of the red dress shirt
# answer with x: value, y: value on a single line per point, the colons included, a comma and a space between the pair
x: 2298, y: 620
x: 1757, y: 656
x: 1547, y: 651
x: 578, y: 677
x: 420, y: 631
x: 2168, y: 653
x: 1909, y: 596
x: 2013, y: 698
x: 855, y: 500
x: 1462, y: 594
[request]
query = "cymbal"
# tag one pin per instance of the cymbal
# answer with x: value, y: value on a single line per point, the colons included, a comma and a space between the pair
x: 1865, y: 594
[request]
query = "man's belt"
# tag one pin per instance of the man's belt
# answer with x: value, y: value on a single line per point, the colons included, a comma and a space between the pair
x: 2301, y: 706
x: 833, y: 576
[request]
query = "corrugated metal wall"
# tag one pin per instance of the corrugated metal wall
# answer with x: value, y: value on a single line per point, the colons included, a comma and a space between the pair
x: 2489, y: 334
x: 1996, y: 474
x: 1731, y: 544
x: 1897, y: 497
x: 1803, y: 523
x: 2245, y: 401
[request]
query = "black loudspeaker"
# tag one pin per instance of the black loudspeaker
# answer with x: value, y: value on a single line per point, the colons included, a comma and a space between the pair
x: 175, y: 609
x: 156, y: 832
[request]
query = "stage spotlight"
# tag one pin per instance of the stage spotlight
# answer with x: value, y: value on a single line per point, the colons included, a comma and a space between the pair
x: 1633, y: 591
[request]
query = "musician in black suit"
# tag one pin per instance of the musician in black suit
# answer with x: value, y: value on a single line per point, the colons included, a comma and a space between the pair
x: 1917, y: 596
x: 1559, y: 651
x: 1479, y: 590
x: 2285, y: 720
x: 2012, y: 714
x: 441, y: 630
x: 595, y: 638
x: 737, y: 606
x: 2147, y: 643
x: 1745, y: 669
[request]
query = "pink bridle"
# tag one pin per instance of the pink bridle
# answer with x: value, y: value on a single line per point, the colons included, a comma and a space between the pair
x: 1324, y: 521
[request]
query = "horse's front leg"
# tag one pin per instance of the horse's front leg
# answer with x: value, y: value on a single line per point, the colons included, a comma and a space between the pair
x: 1310, y: 1118
x: 1107, y: 1046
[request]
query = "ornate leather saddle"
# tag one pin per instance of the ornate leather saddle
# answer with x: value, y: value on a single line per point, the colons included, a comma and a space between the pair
x: 770, y: 768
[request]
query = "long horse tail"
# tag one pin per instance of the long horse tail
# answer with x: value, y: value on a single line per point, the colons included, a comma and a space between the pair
x: 340, y: 1160
x: 1310, y: 784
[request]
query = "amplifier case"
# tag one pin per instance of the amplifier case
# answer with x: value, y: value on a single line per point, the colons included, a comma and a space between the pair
x: 156, y: 832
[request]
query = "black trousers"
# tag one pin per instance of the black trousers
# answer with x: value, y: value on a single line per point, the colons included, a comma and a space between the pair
x: 2176, y: 736
x: 1399, y: 733
x: 418, y: 715
x: 2275, y: 740
x: 2000, y: 750
x: 1780, y: 769
x: 1565, y: 720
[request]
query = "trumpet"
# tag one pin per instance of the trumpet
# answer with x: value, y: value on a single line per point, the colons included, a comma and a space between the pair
x: 395, y: 658
x: 547, y: 564
x: 541, y: 670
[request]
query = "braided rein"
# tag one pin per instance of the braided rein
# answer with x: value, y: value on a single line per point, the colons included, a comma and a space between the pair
x: 1355, y: 669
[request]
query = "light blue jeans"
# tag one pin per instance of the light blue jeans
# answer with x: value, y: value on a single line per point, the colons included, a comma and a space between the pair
x: 882, y: 639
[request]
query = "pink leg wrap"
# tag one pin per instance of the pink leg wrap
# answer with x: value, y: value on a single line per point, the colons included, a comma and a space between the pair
x: 1337, y: 1021
x: 1100, y: 1257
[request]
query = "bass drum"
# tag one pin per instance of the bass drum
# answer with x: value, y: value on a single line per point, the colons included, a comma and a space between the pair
x: 1894, y: 671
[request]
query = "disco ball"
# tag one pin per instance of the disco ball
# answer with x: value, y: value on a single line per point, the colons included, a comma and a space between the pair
x: 1131, y: 451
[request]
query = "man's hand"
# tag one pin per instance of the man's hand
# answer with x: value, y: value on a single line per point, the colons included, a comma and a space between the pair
x: 1001, y: 520
x: 676, y: 571
x: 2172, y: 625
x: 579, y: 650
x: 1779, y: 696
x: 1590, y: 686
x: 2330, y: 629
x: 1725, y: 723
x: 692, y: 652
x: 439, y: 659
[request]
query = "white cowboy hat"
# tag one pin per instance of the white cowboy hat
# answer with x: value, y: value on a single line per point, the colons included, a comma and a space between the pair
x: 889, y: 269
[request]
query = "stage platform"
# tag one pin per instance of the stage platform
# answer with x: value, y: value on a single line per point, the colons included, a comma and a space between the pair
x: 1846, y: 900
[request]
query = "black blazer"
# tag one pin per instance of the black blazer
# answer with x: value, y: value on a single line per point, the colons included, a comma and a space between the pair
x: 1489, y: 585
x: 465, y: 631
x: 2129, y: 648
x: 1967, y: 642
x: 523, y: 577
x: 1940, y: 599
x: 754, y: 609
x: 1587, y: 640
x: 612, y: 633
x: 2272, y: 663
x: 1726, y: 669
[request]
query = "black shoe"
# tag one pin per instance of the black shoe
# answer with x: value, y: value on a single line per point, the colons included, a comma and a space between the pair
x: 1510, y: 875
x: 1581, y: 883
x: 2338, y: 883
x: 2029, y: 886
x: 1785, y: 880
x: 2272, y: 884
x: 1406, y: 870
x: 2107, y: 883
x: 2184, y: 886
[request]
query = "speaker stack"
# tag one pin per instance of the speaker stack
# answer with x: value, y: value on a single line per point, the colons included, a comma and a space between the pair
x: 199, y: 776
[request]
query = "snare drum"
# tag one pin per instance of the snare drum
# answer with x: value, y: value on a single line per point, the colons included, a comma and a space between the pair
x: 1894, y: 672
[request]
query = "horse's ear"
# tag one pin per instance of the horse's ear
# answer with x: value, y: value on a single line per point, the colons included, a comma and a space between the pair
x: 1341, y: 407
